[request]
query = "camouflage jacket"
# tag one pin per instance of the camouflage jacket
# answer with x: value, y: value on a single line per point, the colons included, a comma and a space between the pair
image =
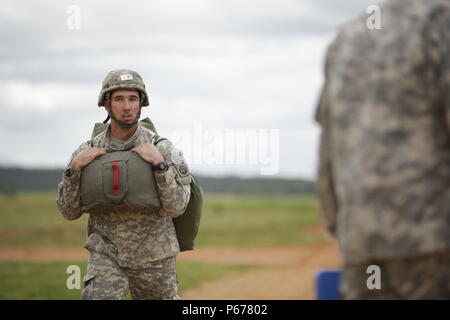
x: 384, y: 168
x: 133, y: 240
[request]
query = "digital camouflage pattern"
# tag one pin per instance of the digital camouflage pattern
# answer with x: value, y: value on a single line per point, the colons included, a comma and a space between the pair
x: 384, y: 171
x: 106, y: 280
x: 132, y: 240
x: 417, y: 278
x: 123, y: 79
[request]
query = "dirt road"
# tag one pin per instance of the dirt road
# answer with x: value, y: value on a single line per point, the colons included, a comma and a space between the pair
x: 289, y: 272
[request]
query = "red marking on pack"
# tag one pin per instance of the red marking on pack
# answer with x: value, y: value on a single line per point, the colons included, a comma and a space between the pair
x: 115, y: 189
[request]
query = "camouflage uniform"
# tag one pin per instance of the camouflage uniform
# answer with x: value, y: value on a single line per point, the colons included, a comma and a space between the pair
x: 133, y: 250
x: 384, y: 170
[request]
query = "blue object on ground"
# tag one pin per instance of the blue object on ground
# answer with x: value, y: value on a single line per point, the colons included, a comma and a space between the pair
x: 327, y: 284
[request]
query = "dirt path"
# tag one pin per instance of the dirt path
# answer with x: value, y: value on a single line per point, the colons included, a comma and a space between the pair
x: 43, y: 254
x: 290, y: 276
x: 289, y: 272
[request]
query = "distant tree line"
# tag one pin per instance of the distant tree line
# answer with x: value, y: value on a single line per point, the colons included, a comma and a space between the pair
x: 13, y: 180
x: 256, y: 185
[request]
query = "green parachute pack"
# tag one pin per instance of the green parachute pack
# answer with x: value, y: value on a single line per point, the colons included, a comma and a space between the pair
x: 186, y: 225
x: 119, y: 181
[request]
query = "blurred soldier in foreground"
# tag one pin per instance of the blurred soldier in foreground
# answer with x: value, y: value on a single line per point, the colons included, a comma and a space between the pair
x: 132, y: 187
x: 384, y: 172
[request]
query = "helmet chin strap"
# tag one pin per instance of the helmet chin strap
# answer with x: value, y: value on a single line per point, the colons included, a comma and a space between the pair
x: 124, y: 124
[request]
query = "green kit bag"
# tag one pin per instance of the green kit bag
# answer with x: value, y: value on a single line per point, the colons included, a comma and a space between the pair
x: 186, y: 225
x: 119, y: 180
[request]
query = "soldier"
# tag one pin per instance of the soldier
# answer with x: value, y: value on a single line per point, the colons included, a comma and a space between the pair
x: 384, y: 170
x: 130, y: 248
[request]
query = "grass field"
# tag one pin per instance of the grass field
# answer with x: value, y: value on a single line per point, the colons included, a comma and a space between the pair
x: 30, y: 280
x: 32, y: 220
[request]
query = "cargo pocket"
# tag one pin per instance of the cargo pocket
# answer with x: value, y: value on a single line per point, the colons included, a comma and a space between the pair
x: 87, y: 279
x: 184, y: 180
x: 102, y: 245
x: 95, y: 243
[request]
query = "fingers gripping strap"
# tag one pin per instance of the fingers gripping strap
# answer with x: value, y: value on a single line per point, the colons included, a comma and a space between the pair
x: 115, y: 188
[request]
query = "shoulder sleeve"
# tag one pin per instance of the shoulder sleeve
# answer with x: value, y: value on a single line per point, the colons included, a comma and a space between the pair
x: 323, y: 104
x: 437, y: 48
x: 69, y: 198
x: 174, y: 184
x: 325, y: 178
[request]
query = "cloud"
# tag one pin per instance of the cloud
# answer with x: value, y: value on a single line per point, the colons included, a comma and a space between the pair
x: 228, y: 64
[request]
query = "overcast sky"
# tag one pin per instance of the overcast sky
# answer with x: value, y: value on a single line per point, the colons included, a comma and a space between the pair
x: 234, y: 84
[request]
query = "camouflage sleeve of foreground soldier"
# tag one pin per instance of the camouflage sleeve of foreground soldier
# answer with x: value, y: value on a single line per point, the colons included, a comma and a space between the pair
x: 439, y: 38
x: 325, y: 185
x: 174, y: 184
x: 69, y: 197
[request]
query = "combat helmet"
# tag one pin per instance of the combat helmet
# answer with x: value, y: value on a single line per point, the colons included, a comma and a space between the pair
x: 123, y: 79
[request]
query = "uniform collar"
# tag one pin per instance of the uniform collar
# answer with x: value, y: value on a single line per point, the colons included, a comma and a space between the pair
x: 118, y: 145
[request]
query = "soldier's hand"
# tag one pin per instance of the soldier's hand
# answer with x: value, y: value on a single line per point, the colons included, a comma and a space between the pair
x: 149, y: 153
x: 85, y: 157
